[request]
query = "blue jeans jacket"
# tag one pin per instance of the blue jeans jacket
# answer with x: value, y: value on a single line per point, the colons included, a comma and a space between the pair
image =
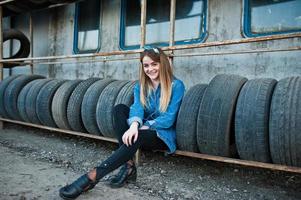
x: 163, y: 122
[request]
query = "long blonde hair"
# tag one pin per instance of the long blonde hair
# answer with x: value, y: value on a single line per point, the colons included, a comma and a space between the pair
x: 165, y: 76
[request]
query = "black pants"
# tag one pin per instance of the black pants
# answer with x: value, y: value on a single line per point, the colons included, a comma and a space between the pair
x: 147, y: 139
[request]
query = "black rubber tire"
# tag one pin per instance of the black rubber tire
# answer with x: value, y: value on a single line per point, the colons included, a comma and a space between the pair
x: 31, y: 100
x: 24, y: 50
x: 44, y: 101
x: 105, y: 105
x: 88, y: 108
x: 126, y: 94
x: 60, y: 102
x: 252, y: 120
x: 215, y: 125
x: 285, y: 122
x: 21, y: 102
x: 74, y: 105
x: 187, y: 118
x: 3, y: 86
x: 12, y: 92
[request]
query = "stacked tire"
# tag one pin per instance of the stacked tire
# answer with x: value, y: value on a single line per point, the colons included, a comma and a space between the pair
x: 258, y: 120
x: 285, y: 122
x: 252, y: 120
x: 78, y: 105
x: 205, y: 119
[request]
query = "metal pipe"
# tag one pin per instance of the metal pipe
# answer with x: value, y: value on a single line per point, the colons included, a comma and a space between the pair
x: 90, y: 55
x: 178, y: 152
x: 1, y: 43
x: 182, y: 47
x: 172, y: 22
x: 239, y: 52
x: 31, y: 41
x: 6, y: 1
x: 143, y: 22
x: 179, y: 55
x: 231, y: 42
x: 172, y: 27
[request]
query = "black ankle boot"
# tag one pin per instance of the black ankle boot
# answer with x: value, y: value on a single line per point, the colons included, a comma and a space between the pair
x: 127, y: 173
x: 72, y: 191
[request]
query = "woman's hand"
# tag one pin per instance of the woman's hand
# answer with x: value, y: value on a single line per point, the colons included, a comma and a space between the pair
x: 131, y: 134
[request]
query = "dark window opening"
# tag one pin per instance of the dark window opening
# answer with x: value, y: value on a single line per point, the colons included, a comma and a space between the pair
x: 87, y: 27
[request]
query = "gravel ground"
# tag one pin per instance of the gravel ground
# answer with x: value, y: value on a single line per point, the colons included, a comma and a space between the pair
x: 36, y: 163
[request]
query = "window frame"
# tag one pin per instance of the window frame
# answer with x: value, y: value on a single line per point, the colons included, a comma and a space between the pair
x: 246, y: 24
x: 76, y: 50
x: 202, y: 37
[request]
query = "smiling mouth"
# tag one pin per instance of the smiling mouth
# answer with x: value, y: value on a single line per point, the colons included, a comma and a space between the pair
x: 152, y: 73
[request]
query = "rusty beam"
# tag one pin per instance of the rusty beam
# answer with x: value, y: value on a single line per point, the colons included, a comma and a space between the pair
x: 231, y: 42
x: 172, y: 22
x: 61, y: 130
x: 246, y: 163
x: 143, y: 22
x: 105, y: 59
x: 238, y: 52
x: 1, y: 43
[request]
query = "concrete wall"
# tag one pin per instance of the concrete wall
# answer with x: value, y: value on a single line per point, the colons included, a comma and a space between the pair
x: 53, y: 35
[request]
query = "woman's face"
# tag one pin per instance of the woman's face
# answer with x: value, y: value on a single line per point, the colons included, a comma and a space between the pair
x: 151, y: 68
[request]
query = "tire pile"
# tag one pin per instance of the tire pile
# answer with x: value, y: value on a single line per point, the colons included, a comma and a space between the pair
x: 257, y: 119
x: 78, y: 105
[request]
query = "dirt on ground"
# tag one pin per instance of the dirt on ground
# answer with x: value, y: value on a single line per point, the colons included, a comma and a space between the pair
x: 36, y: 163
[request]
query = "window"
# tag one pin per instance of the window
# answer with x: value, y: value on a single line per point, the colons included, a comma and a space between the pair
x: 86, y: 29
x: 190, y: 24
x: 266, y: 17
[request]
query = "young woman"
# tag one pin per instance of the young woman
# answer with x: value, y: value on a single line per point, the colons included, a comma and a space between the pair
x: 148, y: 124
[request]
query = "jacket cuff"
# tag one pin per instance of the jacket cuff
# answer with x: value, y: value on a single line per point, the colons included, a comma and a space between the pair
x: 134, y: 119
x: 149, y: 123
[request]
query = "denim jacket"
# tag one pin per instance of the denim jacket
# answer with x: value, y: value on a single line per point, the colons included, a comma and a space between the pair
x: 163, y: 122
